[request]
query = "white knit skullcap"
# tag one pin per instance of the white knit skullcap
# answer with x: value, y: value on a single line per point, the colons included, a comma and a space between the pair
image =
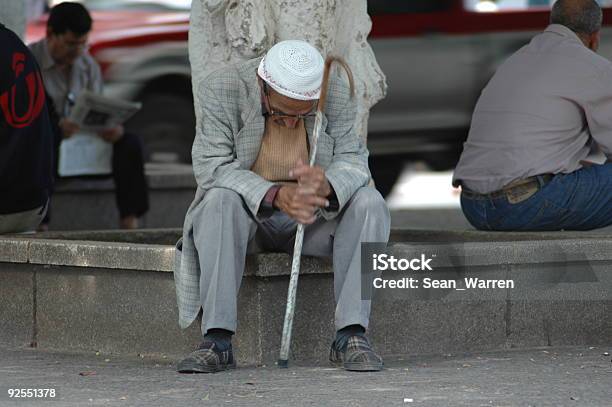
x: 293, y: 68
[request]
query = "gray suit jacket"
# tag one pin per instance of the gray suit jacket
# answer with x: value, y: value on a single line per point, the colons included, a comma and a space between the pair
x: 227, y: 141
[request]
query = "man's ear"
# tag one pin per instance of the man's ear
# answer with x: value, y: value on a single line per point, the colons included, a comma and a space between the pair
x: 594, y: 40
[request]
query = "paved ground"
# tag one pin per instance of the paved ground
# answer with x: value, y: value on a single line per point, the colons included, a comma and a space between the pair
x: 578, y: 376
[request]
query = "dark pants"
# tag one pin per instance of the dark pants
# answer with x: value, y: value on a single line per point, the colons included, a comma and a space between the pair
x: 128, y: 173
x: 581, y: 200
x: 131, y: 191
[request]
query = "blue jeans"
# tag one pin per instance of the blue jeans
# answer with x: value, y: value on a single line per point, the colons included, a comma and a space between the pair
x: 581, y: 200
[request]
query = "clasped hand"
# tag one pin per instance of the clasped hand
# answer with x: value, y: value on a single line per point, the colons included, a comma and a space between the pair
x: 302, y: 200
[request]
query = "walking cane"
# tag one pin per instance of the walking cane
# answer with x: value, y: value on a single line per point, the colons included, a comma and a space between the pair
x: 299, y: 235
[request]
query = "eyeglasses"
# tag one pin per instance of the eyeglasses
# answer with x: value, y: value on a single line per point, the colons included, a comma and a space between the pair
x: 277, y: 114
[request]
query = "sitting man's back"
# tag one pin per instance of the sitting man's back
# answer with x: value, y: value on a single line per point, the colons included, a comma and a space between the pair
x: 539, y: 123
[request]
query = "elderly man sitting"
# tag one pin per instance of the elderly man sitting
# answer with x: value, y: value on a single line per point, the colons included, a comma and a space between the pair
x: 251, y: 144
x: 541, y: 131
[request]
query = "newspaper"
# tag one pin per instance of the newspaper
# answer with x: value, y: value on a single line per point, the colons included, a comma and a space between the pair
x: 94, y: 112
x: 85, y: 153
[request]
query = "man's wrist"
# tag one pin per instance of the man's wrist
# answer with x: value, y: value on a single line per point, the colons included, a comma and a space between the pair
x: 267, y: 207
x: 277, y: 197
x: 334, y: 204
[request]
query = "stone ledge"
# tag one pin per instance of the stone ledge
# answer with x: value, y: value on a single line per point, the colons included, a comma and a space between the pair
x: 93, y: 295
x: 159, y: 176
x: 403, y: 234
x: 157, y: 236
x: 398, y: 234
x: 14, y: 250
x: 66, y: 250
x: 141, y: 257
x: 129, y: 312
x: 108, y: 255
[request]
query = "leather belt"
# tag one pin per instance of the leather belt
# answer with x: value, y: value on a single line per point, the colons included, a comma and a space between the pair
x: 517, y: 191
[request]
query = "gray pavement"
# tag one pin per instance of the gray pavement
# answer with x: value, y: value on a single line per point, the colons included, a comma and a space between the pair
x: 576, y: 376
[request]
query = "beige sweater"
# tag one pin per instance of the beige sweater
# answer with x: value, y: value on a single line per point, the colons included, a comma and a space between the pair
x: 281, y: 147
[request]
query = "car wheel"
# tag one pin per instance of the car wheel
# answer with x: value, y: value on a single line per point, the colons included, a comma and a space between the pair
x: 166, y: 123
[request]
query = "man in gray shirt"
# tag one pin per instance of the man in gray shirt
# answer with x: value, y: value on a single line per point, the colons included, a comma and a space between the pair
x: 542, y: 131
x: 67, y: 70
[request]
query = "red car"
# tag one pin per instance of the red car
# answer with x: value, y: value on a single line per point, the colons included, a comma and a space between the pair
x: 437, y: 56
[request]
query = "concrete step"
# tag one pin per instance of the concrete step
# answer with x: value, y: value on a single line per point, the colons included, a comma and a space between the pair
x: 80, y: 292
x: 89, y: 204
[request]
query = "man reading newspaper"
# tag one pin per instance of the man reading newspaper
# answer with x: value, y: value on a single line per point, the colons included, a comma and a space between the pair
x: 68, y: 70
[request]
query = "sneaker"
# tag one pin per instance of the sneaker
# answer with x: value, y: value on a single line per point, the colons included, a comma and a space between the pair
x: 357, y: 356
x: 207, y: 359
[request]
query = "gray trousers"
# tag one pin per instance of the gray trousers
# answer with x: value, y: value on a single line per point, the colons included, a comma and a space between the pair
x: 224, y: 232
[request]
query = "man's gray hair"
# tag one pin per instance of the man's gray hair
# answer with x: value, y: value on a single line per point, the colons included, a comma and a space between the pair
x: 580, y: 16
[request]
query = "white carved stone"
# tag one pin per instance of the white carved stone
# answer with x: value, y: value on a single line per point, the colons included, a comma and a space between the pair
x: 226, y: 31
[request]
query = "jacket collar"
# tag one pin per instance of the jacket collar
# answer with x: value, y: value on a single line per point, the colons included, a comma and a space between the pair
x: 563, y: 31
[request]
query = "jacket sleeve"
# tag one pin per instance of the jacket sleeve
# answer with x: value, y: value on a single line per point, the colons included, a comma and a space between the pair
x: 348, y: 170
x: 214, y: 155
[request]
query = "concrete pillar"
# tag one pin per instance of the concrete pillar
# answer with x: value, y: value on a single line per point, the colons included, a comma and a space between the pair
x: 226, y: 31
x: 13, y: 15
